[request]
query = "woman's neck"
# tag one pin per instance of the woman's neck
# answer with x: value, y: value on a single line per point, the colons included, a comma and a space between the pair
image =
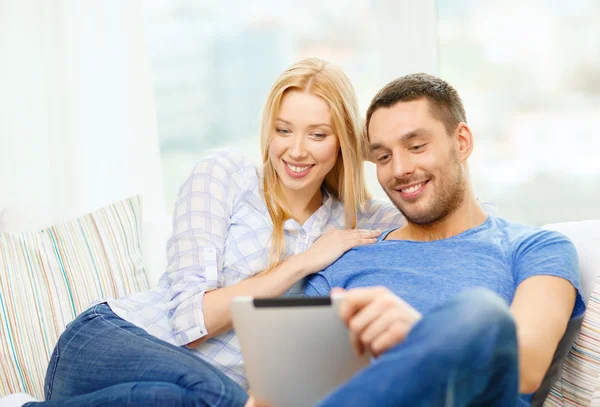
x: 302, y: 204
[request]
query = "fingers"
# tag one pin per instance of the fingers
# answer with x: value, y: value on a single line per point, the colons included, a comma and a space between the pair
x: 362, y: 237
x: 363, y: 242
x: 392, y: 336
x: 366, y: 234
x: 387, y: 330
x: 362, y: 320
x: 252, y: 403
x: 371, y: 322
x: 358, y: 298
x: 376, y: 319
x: 336, y: 291
x: 354, y: 340
x: 354, y: 301
x: 355, y: 233
x: 356, y: 344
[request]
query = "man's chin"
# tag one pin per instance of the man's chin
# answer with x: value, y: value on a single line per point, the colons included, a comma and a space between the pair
x: 420, y: 217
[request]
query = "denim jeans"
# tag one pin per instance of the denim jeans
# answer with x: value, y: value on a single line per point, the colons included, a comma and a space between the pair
x: 103, y: 360
x: 463, y: 353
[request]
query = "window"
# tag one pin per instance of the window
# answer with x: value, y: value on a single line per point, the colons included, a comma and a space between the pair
x: 214, y: 63
x: 528, y: 72
x: 529, y: 75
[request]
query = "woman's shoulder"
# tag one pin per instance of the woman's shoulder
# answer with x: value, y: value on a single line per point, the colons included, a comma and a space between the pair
x: 227, y: 164
x: 380, y: 214
x: 376, y: 206
x: 224, y: 174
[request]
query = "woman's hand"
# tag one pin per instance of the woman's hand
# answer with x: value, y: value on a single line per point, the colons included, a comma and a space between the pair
x: 332, y: 244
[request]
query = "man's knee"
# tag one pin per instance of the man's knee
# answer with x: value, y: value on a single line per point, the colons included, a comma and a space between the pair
x: 482, y: 306
x: 482, y: 316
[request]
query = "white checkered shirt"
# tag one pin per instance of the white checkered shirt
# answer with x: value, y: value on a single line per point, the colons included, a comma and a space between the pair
x: 221, y: 233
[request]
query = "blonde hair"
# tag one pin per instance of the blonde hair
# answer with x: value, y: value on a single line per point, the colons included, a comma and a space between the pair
x: 346, y: 180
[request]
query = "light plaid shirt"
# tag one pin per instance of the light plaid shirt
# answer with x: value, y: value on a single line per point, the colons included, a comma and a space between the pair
x: 221, y: 234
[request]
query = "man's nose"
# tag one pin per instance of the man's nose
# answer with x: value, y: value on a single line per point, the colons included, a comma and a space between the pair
x: 402, y: 166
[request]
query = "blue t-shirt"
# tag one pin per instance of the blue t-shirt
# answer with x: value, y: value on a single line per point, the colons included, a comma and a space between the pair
x: 498, y: 255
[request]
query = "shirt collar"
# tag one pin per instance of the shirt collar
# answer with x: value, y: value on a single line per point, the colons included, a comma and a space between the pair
x: 317, y: 220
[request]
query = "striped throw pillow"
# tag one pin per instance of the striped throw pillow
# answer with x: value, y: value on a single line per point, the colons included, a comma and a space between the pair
x: 581, y: 369
x: 49, y: 277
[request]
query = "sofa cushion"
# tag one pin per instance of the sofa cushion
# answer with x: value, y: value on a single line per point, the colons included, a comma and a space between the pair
x: 156, y: 230
x: 50, y: 276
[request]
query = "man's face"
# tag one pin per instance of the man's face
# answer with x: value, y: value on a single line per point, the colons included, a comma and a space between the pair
x: 418, y: 164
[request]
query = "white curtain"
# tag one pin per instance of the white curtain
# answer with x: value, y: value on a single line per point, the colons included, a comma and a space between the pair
x: 77, y: 109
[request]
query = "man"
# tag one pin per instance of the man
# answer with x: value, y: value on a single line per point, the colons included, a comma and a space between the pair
x: 441, y: 330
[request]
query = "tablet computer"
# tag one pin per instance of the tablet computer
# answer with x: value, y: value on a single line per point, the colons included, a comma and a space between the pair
x: 296, y: 350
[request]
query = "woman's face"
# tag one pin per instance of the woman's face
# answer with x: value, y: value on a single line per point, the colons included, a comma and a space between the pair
x: 304, y: 147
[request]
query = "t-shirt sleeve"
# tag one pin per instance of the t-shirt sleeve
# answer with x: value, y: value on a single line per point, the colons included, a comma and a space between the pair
x: 549, y: 253
x: 317, y: 285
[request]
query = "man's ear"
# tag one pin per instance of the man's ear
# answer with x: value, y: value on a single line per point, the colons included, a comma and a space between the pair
x: 464, y: 139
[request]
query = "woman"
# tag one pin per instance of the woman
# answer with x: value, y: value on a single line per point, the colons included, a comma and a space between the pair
x: 238, y: 230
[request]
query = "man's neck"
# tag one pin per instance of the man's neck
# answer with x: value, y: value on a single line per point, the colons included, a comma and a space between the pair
x: 302, y: 204
x: 467, y: 216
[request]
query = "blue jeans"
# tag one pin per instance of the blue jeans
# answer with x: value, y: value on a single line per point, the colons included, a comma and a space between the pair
x: 103, y: 360
x: 463, y: 353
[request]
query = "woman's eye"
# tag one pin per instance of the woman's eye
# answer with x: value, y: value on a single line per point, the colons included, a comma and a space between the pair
x: 283, y: 132
x: 319, y: 136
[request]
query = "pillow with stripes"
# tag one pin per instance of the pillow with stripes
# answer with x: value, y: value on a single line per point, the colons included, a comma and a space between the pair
x: 48, y: 277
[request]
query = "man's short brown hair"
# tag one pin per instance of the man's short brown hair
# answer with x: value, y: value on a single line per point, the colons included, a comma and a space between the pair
x: 444, y: 101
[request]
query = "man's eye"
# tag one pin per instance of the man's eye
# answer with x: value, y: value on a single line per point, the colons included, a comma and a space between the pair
x: 416, y: 148
x: 383, y: 158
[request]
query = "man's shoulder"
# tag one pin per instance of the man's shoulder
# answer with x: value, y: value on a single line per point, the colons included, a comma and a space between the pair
x: 355, y: 258
x: 520, y: 237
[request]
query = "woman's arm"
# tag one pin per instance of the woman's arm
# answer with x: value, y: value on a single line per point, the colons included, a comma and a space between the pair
x: 201, y: 220
x: 327, y: 249
x: 217, y: 303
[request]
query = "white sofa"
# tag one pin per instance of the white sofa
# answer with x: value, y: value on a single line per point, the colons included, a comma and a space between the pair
x: 156, y: 231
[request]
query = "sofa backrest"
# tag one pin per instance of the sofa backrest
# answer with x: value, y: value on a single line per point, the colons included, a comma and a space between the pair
x: 574, y: 382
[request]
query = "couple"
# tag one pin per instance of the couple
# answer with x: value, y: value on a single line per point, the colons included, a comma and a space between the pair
x: 473, y: 306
